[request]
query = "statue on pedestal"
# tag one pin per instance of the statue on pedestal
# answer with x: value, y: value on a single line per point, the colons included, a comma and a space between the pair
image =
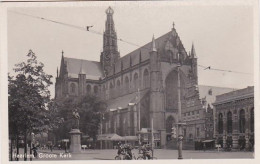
x: 76, y: 117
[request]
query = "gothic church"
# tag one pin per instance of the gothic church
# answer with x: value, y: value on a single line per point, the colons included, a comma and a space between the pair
x: 139, y: 86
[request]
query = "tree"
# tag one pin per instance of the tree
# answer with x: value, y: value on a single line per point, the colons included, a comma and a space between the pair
x: 90, y: 109
x: 28, y: 98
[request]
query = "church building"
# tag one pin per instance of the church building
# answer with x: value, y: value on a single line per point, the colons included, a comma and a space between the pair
x: 140, y: 86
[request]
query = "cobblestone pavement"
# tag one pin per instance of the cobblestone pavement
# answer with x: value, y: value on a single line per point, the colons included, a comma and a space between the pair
x: 109, y: 154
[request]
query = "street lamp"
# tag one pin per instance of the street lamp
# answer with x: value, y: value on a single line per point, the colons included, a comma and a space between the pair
x: 179, y: 120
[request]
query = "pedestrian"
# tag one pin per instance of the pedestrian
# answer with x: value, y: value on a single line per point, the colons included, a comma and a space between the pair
x: 51, y: 147
x: 35, y: 154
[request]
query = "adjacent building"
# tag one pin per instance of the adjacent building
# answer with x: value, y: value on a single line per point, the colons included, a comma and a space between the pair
x: 234, y: 119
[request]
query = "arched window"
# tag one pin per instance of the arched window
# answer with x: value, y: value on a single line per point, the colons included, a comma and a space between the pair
x: 169, y: 124
x: 118, y: 89
x: 252, y: 120
x: 88, y: 89
x: 111, y: 90
x: 118, y: 84
x: 136, y: 84
x: 146, y: 79
x: 220, y: 123
x: 229, y: 122
x: 242, y: 121
x: 72, y: 88
x: 127, y: 84
x: 96, y: 89
x: 171, y: 55
x: 171, y: 90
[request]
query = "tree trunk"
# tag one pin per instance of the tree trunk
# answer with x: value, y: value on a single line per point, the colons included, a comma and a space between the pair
x: 11, y: 149
x: 30, y: 150
x: 17, y: 147
x: 25, y: 146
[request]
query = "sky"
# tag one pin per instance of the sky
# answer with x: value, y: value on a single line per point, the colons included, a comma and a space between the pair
x: 222, y: 35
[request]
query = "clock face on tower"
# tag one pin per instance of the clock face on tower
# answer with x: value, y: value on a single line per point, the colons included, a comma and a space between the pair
x: 107, y: 57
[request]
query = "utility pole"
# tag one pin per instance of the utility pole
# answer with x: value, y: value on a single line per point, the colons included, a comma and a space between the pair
x: 101, y: 131
x: 152, y: 134
x: 180, y: 136
x: 139, y: 119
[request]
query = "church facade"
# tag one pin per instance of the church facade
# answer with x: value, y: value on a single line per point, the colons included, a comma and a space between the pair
x: 139, y: 87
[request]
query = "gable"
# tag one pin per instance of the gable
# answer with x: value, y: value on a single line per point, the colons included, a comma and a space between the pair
x: 92, y: 69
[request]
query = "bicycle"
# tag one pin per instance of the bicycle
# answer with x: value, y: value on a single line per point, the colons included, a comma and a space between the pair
x: 142, y: 157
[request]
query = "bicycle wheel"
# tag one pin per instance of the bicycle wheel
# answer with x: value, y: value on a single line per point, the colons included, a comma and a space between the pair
x: 117, y: 158
x: 139, y: 158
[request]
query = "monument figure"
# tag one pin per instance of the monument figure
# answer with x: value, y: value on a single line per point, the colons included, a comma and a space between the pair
x: 75, y: 143
x: 76, y: 117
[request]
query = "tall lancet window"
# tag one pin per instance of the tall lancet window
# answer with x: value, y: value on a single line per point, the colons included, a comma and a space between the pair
x: 229, y: 122
x: 252, y: 120
x: 146, y: 81
x: 111, y: 90
x: 242, y: 121
x: 72, y: 88
x: 220, y: 123
x: 136, y: 82
x: 127, y: 84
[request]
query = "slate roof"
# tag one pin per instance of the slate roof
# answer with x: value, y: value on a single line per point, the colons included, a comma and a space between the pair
x: 211, y: 98
x: 123, y: 101
x: 236, y: 95
x: 144, y: 51
x: 92, y: 69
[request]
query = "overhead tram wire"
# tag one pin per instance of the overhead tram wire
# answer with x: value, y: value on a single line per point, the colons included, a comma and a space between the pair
x: 119, y: 39
x: 222, y: 70
x: 77, y: 27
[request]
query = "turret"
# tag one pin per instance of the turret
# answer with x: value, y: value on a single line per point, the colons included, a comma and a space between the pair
x: 156, y: 95
x: 82, y: 80
x: 194, y: 64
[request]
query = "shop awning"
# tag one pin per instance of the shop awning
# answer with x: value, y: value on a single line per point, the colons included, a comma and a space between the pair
x: 109, y: 137
x: 130, y: 138
x: 206, y: 141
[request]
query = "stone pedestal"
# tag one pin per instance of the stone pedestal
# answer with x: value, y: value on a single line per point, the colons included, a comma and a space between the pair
x: 75, y: 143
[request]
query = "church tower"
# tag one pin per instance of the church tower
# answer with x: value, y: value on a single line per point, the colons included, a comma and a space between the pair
x: 110, y: 53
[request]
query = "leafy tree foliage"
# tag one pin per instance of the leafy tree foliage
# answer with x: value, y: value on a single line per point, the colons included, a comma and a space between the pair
x: 28, y: 98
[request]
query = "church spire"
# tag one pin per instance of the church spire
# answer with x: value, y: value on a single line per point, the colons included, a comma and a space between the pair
x: 110, y: 53
x: 193, y: 53
x: 57, y: 72
x: 153, y: 45
x: 81, y: 72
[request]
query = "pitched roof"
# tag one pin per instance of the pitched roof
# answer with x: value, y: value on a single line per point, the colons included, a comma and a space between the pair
x: 204, y: 92
x: 123, y: 101
x: 92, y: 69
x: 144, y: 50
x: 235, y: 95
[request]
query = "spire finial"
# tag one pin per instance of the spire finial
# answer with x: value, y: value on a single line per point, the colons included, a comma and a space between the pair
x: 110, y: 10
x: 57, y: 72
x: 193, y: 53
x: 153, y: 45
x: 62, y: 52
x: 81, y: 69
x: 173, y: 24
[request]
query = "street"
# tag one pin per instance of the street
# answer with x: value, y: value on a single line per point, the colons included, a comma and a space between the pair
x: 109, y: 154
